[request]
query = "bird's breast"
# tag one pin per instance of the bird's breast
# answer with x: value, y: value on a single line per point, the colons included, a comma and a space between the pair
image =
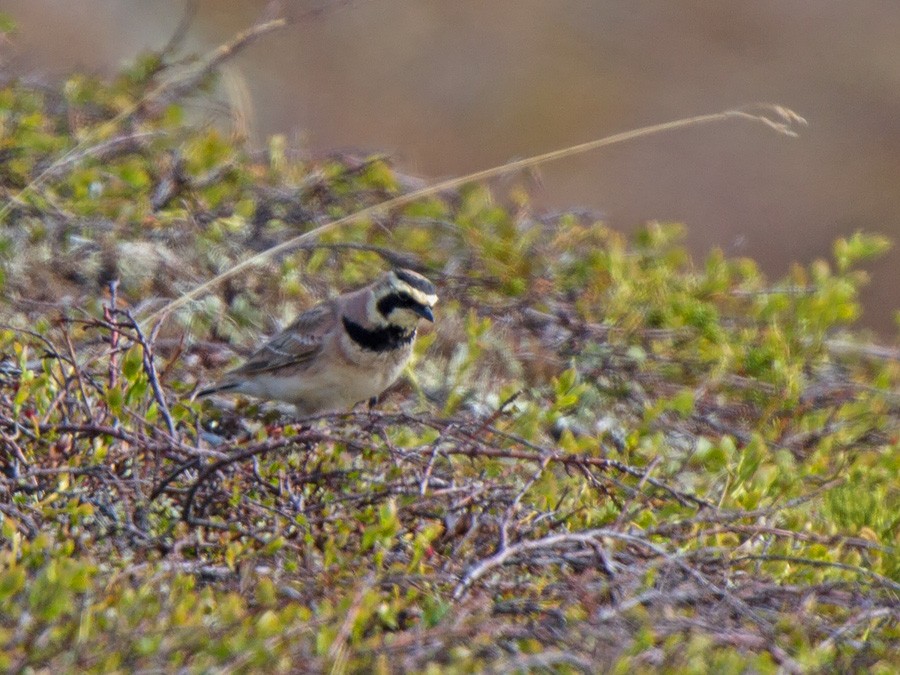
x: 379, y: 339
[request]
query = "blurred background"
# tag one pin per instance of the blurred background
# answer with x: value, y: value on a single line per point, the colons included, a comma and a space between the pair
x: 448, y: 87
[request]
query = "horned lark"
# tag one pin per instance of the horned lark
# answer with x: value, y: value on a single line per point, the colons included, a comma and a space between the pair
x: 343, y: 351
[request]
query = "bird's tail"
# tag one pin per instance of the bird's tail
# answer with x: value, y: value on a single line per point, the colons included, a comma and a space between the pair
x: 216, y: 388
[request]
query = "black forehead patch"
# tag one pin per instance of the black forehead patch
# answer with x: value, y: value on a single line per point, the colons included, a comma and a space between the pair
x: 415, y: 281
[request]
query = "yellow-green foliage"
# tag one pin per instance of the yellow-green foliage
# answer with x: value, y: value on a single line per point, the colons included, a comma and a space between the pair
x: 606, y: 456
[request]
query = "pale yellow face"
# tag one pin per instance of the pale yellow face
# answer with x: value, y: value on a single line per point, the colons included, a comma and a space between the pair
x: 402, y: 298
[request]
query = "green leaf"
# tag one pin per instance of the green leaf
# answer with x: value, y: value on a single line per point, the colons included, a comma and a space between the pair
x: 7, y: 25
x: 133, y: 363
x: 859, y: 247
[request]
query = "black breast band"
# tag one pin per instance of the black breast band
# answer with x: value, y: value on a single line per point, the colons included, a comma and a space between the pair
x: 379, y: 339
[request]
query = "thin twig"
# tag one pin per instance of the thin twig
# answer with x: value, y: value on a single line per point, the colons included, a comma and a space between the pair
x: 150, y: 372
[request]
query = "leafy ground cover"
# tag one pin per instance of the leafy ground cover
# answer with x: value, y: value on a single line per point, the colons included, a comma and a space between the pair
x: 606, y: 456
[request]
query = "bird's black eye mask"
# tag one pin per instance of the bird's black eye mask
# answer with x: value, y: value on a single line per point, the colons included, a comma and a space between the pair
x: 389, y: 303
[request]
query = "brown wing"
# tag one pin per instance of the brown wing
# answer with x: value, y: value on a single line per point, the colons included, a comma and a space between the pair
x: 299, y: 342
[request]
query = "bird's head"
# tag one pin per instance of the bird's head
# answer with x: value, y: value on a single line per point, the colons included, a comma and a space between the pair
x: 401, y: 298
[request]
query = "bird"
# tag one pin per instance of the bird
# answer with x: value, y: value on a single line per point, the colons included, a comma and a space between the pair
x: 340, y: 352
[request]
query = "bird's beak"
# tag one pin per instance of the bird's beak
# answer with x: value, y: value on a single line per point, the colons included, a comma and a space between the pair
x: 425, y: 312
